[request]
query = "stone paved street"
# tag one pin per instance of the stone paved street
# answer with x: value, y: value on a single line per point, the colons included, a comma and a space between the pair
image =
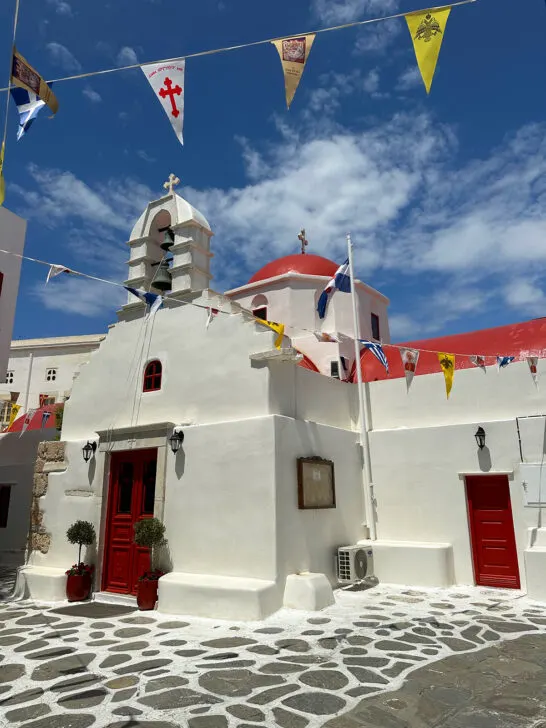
x: 73, y: 666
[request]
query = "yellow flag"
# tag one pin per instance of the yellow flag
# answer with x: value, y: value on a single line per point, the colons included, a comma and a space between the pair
x: 293, y: 53
x: 2, y: 180
x: 14, y: 412
x: 427, y: 31
x: 447, y: 362
x: 277, y: 328
x: 24, y: 76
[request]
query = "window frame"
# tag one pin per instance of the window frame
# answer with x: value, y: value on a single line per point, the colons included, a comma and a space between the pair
x: 150, y: 379
x: 375, y: 324
x: 258, y: 310
x: 51, y: 374
x: 10, y: 373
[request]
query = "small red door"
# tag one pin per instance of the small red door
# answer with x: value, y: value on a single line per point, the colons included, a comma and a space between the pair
x: 131, y: 495
x: 492, y: 531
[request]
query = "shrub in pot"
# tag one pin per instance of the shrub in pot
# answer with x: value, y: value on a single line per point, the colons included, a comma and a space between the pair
x: 80, y: 575
x: 149, y: 533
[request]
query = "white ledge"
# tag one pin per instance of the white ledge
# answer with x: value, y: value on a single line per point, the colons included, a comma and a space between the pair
x: 289, y: 354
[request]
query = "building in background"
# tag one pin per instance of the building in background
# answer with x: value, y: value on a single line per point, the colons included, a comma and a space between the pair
x: 40, y: 372
x: 12, y: 239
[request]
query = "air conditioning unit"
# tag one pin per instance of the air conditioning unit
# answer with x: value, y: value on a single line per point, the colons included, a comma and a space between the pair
x: 354, y: 563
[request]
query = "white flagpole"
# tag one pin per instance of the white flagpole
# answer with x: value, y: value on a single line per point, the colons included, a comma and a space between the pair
x: 362, y: 403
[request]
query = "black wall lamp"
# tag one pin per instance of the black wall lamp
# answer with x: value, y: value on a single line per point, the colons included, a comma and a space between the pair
x: 480, y: 437
x: 176, y: 440
x: 88, y: 450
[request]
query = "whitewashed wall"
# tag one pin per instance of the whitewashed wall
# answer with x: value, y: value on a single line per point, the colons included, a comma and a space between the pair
x: 422, y: 446
x: 12, y: 238
x: 66, y: 355
x: 17, y: 460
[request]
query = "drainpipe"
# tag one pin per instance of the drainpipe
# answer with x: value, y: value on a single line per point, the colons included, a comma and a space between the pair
x: 30, y: 362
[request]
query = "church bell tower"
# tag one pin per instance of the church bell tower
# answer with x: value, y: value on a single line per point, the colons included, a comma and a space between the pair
x: 169, y: 250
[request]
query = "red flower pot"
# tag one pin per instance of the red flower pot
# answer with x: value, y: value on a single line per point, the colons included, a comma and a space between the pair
x: 147, y: 594
x: 78, y: 587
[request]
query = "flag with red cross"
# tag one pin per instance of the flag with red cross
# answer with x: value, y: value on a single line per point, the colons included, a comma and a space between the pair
x: 167, y: 81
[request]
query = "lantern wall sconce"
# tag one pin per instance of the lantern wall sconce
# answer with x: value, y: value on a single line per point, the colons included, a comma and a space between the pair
x: 480, y: 437
x: 176, y: 439
x: 88, y: 450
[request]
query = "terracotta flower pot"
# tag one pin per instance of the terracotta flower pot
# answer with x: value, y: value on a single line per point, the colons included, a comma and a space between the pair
x: 78, y: 587
x: 147, y: 594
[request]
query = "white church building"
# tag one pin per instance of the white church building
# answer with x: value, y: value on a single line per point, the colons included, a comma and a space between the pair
x: 270, y: 479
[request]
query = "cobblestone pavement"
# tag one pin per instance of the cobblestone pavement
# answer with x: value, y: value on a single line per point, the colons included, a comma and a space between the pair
x: 101, y: 665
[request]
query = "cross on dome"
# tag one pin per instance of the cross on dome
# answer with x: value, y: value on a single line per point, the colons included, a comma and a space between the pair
x: 304, y: 242
x: 171, y: 183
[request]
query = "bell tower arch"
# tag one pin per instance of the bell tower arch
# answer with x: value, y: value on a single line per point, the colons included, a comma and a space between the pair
x: 184, y: 259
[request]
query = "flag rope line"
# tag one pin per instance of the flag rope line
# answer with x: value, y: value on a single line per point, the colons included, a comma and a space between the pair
x: 249, y: 312
x: 254, y: 43
x: 8, y: 88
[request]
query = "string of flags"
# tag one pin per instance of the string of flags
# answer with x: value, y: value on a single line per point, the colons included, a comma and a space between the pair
x: 409, y: 356
x: 31, y: 93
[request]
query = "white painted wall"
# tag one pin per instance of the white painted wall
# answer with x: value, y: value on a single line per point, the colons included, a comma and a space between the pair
x: 17, y: 459
x: 35, y: 356
x: 422, y: 446
x: 12, y: 238
x: 292, y: 300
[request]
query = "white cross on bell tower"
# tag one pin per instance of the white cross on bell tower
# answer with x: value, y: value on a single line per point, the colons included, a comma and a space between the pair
x: 171, y: 183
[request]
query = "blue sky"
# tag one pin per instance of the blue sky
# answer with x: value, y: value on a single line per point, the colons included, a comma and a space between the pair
x: 445, y: 195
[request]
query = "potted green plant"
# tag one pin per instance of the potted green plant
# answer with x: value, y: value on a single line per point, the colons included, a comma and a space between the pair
x: 80, y: 575
x: 149, y: 533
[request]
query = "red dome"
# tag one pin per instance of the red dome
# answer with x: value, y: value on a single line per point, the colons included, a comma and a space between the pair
x: 306, y: 264
x: 36, y: 421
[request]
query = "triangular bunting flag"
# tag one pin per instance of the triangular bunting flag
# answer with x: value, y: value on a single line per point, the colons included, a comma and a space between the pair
x: 56, y: 270
x: 2, y: 180
x: 29, y: 105
x: 28, y: 419
x: 45, y: 418
x: 503, y: 361
x: 167, y: 81
x: 410, y: 357
x: 24, y: 76
x: 447, y: 362
x: 533, y: 367
x: 153, y: 300
x: 277, y: 328
x: 212, y: 313
x: 13, y: 415
x: 427, y: 31
x: 478, y: 361
x: 377, y: 351
x: 293, y: 53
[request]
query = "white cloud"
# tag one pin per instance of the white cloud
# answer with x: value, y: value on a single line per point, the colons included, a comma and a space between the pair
x: 127, y: 57
x: 410, y: 78
x: 61, y: 56
x: 332, y: 12
x: 71, y: 295
x: 92, y: 95
x: 61, y: 7
x: 377, y: 37
x: 371, y: 82
x: 464, y: 237
x: 145, y: 156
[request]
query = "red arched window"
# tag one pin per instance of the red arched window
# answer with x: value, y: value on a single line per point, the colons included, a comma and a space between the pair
x: 152, y: 376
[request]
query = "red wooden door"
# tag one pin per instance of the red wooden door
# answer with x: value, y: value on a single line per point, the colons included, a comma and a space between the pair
x: 131, y: 495
x: 492, y: 531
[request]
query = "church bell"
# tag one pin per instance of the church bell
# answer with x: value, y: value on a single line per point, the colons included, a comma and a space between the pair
x: 168, y: 238
x: 163, y: 278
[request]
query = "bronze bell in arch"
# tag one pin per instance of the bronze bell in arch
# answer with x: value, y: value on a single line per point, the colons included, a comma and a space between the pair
x: 163, y: 278
x: 168, y: 238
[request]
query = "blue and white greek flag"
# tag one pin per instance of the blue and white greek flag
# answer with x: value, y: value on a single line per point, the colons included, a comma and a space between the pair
x: 29, y: 106
x: 377, y: 351
x: 503, y: 361
x: 152, y: 300
x: 341, y: 281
